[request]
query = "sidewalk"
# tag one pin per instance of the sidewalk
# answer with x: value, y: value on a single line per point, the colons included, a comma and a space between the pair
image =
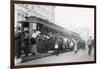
x: 32, y: 57
x: 63, y: 57
x: 41, y: 55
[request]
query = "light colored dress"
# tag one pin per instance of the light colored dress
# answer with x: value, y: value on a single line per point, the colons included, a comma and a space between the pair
x: 75, y: 45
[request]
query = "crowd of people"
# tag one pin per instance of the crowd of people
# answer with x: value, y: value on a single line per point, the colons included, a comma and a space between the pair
x: 76, y: 45
x: 23, y: 40
x: 26, y: 43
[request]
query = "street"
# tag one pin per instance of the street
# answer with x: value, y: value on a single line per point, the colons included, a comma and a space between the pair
x: 82, y: 55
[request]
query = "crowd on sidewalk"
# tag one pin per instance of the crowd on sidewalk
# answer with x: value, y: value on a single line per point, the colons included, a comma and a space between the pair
x: 29, y: 43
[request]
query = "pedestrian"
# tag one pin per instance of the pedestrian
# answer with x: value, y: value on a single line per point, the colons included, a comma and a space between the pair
x: 33, y: 42
x: 57, y: 47
x: 72, y: 45
x: 89, y: 42
x: 83, y: 44
x: 18, y: 42
x: 64, y: 42
x: 26, y: 41
x: 75, y: 46
x: 68, y: 43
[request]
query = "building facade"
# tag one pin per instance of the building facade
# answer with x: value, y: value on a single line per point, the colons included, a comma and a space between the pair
x: 27, y: 10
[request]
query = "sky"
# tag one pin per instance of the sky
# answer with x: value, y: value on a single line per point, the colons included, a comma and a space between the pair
x: 80, y: 20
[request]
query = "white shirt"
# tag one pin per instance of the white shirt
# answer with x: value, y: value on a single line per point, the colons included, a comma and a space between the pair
x: 35, y: 34
x: 71, y: 44
x: 56, y: 45
x: 75, y: 46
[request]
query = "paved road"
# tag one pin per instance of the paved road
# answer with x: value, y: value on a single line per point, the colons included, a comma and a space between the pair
x: 61, y: 58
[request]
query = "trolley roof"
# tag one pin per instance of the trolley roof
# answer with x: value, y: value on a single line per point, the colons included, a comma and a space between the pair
x: 66, y: 33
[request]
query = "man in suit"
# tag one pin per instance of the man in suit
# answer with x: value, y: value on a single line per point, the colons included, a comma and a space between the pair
x: 57, y: 46
x: 18, y: 42
x: 89, y: 45
x: 26, y: 41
